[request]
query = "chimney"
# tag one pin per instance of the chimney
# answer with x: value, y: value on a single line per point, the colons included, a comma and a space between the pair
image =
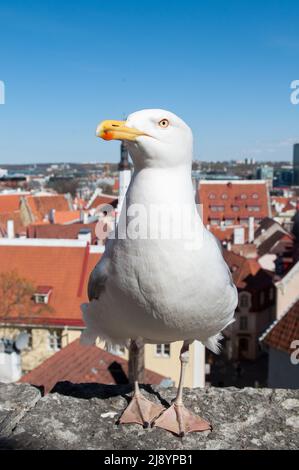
x: 251, y: 230
x: 85, y: 217
x: 85, y: 234
x: 52, y: 216
x: 10, y: 229
x: 239, y: 236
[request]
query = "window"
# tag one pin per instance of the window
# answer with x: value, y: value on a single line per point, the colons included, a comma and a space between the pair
x: 243, y: 196
x: 212, y: 196
x: 271, y: 294
x: 255, y: 196
x: 163, y: 350
x: 235, y: 208
x: 243, y: 323
x: 217, y: 208
x: 229, y: 221
x: 243, y: 346
x: 42, y: 294
x: 243, y: 221
x: 215, y: 221
x: 224, y: 196
x: 116, y: 349
x: 41, y: 299
x: 29, y: 333
x: 54, y: 339
x: 253, y: 208
x: 244, y: 300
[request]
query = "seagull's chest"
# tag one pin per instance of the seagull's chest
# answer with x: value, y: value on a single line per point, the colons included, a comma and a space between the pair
x: 164, y: 276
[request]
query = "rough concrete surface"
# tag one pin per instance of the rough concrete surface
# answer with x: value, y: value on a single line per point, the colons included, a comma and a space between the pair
x: 84, y: 416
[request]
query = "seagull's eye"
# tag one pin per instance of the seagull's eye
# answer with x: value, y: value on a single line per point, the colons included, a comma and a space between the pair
x: 164, y: 123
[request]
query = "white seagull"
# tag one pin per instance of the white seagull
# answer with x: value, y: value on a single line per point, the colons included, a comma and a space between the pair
x: 161, y: 288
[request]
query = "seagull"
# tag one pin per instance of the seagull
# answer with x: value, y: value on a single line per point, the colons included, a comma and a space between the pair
x: 156, y: 281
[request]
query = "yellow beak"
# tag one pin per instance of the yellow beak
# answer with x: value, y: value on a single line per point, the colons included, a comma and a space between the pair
x: 117, y: 130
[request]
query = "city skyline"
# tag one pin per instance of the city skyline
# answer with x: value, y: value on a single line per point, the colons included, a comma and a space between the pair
x: 227, y: 74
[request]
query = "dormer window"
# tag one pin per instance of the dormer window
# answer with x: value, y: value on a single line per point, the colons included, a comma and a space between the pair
x: 42, y: 294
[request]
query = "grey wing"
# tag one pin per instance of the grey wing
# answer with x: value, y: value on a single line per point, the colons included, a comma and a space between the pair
x: 96, y: 282
x: 100, y: 274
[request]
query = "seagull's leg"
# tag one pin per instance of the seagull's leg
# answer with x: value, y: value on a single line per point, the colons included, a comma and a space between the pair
x: 140, y: 410
x: 177, y: 418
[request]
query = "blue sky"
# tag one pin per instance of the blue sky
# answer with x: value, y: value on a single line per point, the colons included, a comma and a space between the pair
x: 225, y: 67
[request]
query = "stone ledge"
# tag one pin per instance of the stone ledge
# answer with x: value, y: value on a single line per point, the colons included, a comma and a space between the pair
x: 83, y: 416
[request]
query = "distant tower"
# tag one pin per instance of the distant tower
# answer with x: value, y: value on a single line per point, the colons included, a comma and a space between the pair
x: 296, y: 165
x: 124, y: 176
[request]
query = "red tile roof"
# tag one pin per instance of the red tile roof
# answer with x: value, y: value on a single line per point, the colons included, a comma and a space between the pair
x: 233, y: 200
x: 16, y: 217
x: 66, y: 269
x: 289, y: 207
x: 103, y: 199
x: 40, y: 206
x: 10, y: 202
x: 284, y: 331
x: 43, y: 290
x: 80, y: 364
x: 246, y: 273
x: 63, y: 217
x: 280, y: 199
x: 70, y: 231
x: 226, y: 233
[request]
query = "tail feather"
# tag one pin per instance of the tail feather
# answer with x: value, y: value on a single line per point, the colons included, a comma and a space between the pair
x: 213, y: 343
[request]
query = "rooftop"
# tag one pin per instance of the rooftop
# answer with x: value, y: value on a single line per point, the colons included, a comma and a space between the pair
x: 64, y: 265
x: 233, y: 201
x: 60, y: 231
x: 284, y: 331
x: 77, y: 364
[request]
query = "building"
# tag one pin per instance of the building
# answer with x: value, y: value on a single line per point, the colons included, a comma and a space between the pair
x: 26, y: 208
x: 296, y: 165
x: 265, y: 172
x: 282, y: 342
x: 232, y: 203
x: 283, y: 177
x: 256, y: 307
x: 80, y: 364
x: 58, y: 270
x: 71, y: 231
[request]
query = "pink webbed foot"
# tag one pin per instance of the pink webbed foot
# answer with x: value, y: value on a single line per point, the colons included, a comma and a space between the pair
x: 179, y: 420
x: 140, y: 411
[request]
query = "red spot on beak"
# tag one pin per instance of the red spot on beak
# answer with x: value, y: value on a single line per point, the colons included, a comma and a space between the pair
x: 108, y: 135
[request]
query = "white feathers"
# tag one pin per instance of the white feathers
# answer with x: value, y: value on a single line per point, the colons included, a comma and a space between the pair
x: 213, y: 343
x: 162, y: 290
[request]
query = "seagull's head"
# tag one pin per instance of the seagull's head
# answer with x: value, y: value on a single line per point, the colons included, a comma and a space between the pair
x: 154, y: 137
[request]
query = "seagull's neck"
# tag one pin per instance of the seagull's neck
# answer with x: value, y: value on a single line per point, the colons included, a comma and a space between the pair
x: 161, y: 186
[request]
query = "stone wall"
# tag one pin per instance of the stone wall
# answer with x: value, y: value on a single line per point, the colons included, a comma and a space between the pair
x: 84, y: 416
